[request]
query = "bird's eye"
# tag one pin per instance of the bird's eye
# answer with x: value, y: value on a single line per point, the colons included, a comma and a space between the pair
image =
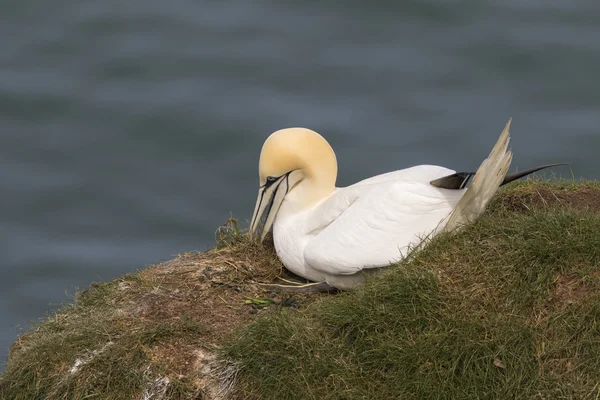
x: 271, y: 179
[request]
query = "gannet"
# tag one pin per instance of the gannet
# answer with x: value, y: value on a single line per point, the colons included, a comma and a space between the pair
x: 335, y: 235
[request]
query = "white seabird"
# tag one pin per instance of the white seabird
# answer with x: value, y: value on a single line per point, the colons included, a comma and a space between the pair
x: 333, y: 235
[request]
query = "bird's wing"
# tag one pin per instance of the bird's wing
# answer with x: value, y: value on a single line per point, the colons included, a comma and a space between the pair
x: 377, y: 224
x: 418, y: 173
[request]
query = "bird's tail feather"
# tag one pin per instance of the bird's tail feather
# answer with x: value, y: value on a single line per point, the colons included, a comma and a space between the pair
x: 488, y: 178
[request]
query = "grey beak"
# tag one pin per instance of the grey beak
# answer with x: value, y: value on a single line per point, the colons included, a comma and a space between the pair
x: 270, y: 197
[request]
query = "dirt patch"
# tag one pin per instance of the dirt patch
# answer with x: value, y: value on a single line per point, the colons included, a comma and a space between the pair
x: 523, y: 199
x: 217, y: 289
x: 570, y: 289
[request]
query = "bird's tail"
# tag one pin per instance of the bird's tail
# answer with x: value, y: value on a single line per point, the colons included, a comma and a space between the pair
x: 488, y: 178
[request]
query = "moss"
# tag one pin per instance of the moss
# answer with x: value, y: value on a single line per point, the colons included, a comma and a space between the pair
x: 507, y: 308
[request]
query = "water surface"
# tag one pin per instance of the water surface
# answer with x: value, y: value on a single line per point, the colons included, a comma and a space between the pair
x: 129, y: 131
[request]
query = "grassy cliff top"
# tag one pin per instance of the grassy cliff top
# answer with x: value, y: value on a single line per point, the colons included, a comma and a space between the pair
x: 507, y: 308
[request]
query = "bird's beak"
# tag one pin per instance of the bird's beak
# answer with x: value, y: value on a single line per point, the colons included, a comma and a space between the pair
x: 270, y: 197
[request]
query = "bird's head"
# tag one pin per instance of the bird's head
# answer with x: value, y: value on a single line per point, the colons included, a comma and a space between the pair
x: 294, y: 162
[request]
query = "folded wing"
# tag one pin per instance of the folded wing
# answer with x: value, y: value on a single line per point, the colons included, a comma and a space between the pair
x: 381, y: 222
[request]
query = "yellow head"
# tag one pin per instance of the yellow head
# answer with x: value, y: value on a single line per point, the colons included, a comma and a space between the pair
x: 290, y: 159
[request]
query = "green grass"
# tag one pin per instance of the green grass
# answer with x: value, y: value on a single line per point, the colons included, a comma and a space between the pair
x: 508, y: 308
x: 87, y: 351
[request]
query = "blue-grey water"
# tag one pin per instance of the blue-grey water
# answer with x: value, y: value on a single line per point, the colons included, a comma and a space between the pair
x: 130, y: 130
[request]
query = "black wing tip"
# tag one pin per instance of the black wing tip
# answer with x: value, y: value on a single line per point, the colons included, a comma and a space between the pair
x: 514, y: 176
x: 455, y: 181
x: 460, y: 180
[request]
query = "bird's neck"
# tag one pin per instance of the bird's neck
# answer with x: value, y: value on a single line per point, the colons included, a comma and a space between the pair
x: 306, y: 195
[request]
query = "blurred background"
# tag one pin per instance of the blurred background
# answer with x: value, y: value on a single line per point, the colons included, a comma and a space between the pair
x: 130, y: 130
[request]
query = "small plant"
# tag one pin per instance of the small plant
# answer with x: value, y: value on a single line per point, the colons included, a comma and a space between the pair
x: 228, y: 234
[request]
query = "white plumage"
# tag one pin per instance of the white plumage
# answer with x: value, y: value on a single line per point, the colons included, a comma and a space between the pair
x: 328, y: 234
